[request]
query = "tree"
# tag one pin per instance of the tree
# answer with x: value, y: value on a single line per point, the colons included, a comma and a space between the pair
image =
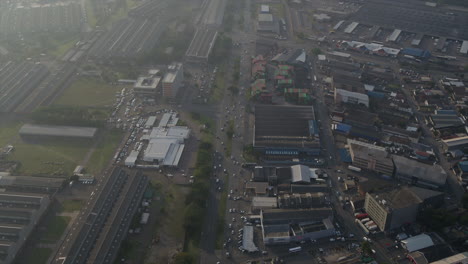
x: 316, y: 51
x: 184, y: 258
x: 464, y: 201
x: 366, y: 248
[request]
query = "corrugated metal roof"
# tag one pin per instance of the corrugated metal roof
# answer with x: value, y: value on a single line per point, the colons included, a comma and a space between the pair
x: 417, y: 242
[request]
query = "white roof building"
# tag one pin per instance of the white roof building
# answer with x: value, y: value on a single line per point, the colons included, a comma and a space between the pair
x: 464, y: 47
x: 302, y: 173
x: 417, y: 242
x: 166, y: 145
x: 351, y: 97
x: 132, y: 158
x: 265, y: 8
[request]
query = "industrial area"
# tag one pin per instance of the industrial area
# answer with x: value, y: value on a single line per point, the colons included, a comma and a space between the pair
x: 222, y: 131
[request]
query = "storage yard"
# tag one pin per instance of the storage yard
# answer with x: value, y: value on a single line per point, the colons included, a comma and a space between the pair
x: 41, y: 18
x: 128, y: 39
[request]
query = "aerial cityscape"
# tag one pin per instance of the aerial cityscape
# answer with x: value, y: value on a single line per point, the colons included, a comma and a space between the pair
x: 233, y: 131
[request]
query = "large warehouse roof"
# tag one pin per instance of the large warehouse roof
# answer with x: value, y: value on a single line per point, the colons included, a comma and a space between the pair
x: 417, y: 242
x: 57, y: 131
x: 430, y: 173
x: 202, y: 43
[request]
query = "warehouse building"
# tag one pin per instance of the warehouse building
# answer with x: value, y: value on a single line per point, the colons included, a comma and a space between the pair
x: 173, y: 80
x: 284, y: 133
x: 344, y: 96
x: 370, y: 157
x: 459, y: 143
x: 31, y: 184
x: 19, y: 214
x: 391, y: 209
x: 419, y: 174
x: 166, y: 145
x: 281, y: 226
x: 47, y: 131
x: 267, y: 23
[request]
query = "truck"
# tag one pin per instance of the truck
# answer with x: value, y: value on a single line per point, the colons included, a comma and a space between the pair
x: 365, y: 220
x: 353, y: 168
x: 369, y: 223
x: 360, y: 216
x: 372, y: 228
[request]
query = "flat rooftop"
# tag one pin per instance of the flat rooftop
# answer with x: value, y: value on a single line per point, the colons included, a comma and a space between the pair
x: 431, y: 173
x: 57, y: 131
x: 283, y: 124
x: 202, y: 43
x: 397, y: 198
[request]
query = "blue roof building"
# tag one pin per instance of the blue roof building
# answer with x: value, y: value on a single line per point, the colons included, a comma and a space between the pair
x: 419, y: 53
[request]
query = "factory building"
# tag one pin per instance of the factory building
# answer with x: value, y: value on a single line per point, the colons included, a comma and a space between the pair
x: 19, y: 214
x: 201, y: 45
x: 370, y: 157
x: 31, y: 184
x: 173, y: 80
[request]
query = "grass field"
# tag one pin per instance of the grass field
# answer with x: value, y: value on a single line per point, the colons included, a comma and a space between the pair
x: 63, y: 46
x: 174, y: 204
x: 52, y: 158
x: 55, y: 228
x: 39, y: 255
x: 88, y: 92
x: 9, y: 132
x: 219, y: 85
x: 221, y: 217
x: 104, y: 151
x: 71, y: 205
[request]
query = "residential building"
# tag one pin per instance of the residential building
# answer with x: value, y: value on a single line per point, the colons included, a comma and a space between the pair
x: 370, y: 157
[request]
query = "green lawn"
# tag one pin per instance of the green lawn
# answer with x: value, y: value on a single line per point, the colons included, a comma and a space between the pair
x: 51, y: 158
x: 88, y: 92
x: 72, y: 205
x: 104, y: 151
x: 61, y: 47
x: 55, y: 228
x: 219, y: 85
x: 174, y: 204
x: 8, y: 132
x: 221, y: 216
x: 39, y: 255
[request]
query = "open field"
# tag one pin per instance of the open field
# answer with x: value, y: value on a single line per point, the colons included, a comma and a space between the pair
x: 58, y: 158
x: 104, y: 151
x: 8, y: 132
x: 39, y: 255
x: 88, y: 92
x: 55, y: 228
x: 71, y: 205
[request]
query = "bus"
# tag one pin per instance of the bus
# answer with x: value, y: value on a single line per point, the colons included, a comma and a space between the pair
x: 353, y: 168
x: 295, y: 249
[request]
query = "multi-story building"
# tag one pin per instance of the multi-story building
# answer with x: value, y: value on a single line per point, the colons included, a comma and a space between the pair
x: 370, y: 157
x: 173, y: 80
x: 391, y: 209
